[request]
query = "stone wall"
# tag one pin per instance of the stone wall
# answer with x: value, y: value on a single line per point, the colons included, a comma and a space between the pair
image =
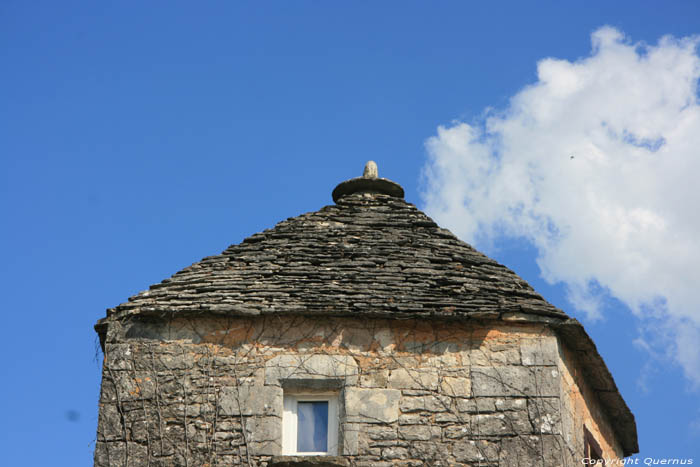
x: 209, y: 391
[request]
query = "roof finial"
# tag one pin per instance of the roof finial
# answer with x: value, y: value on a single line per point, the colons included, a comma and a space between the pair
x: 371, y: 170
x: 368, y: 183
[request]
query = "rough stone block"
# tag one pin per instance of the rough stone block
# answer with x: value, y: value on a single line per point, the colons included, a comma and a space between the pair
x: 350, y: 439
x: 511, y: 403
x: 138, y: 454
x: 419, y: 432
x: 313, y: 366
x: 395, y: 452
x: 414, y: 378
x: 540, y: 351
x: 176, y: 361
x: 501, y: 423
x: 515, y: 381
x: 108, y: 454
x: 491, y: 425
x: 381, y: 433
x: 545, y: 450
x: 458, y: 387
x: 130, y: 386
x: 430, y: 451
x: 412, y: 404
x: 544, y: 414
x: 448, y: 417
x: 425, y: 403
x: 109, y: 427
x: 476, y: 405
x: 264, y: 435
x: 140, y: 430
x: 457, y: 432
x: 414, y: 419
x: 481, y: 451
x: 118, y: 357
x: 375, y: 379
x: 372, y: 405
x: 495, y: 357
x: 254, y: 400
x: 448, y: 361
x: 384, y: 340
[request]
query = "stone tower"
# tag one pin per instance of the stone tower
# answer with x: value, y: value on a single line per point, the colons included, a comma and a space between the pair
x: 359, y: 334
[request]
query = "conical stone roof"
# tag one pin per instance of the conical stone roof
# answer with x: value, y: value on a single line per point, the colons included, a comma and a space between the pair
x: 369, y: 254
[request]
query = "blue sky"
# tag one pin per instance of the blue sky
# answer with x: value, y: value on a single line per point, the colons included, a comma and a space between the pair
x: 138, y: 138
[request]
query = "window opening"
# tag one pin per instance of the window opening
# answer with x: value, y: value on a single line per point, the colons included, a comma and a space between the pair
x: 310, y: 424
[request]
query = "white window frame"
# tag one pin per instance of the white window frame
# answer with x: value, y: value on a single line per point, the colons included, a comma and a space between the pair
x: 290, y: 423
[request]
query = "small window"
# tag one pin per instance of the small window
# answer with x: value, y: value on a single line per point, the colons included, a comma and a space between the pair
x: 310, y: 424
x: 591, y: 449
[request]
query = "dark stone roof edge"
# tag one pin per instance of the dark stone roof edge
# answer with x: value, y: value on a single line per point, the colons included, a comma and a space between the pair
x: 570, y: 330
x: 507, y: 313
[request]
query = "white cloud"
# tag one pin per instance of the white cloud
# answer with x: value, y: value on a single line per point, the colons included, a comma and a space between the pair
x: 596, y: 164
